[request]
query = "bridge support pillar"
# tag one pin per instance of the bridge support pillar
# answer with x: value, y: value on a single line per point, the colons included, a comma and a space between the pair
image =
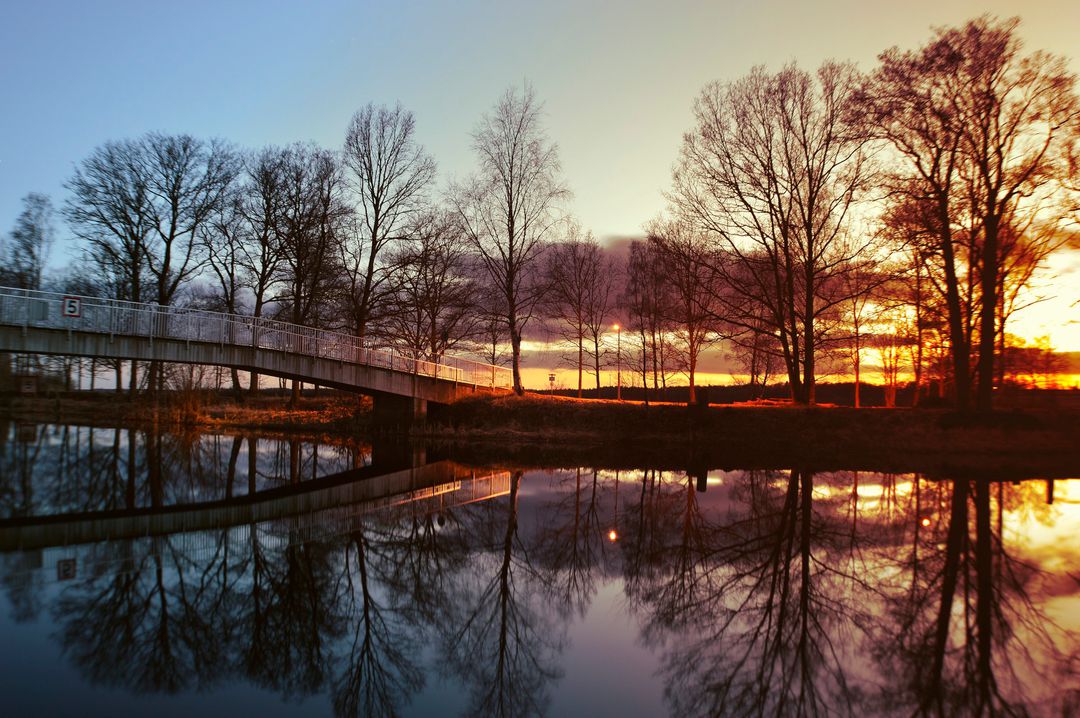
x: 397, y: 412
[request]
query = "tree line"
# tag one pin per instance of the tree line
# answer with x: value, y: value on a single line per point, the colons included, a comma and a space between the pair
x: 813, y: 218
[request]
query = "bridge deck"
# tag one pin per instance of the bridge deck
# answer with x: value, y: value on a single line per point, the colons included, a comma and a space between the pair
x: 50, y: 323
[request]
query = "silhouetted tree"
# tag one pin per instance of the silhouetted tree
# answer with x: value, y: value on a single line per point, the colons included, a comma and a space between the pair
x: 431, y: 298
x: 508, y: 207
x: 693, y: 312
x: 646, y: 300
x: 312, y: 216
x: 581, y: 296
x: 391, y: 174
x: 262, y: 205
x: 771, y: 171
x: 29, y: 243
x: 985, y: 135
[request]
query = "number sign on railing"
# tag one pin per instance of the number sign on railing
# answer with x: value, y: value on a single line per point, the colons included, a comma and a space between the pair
x: 28, y: 308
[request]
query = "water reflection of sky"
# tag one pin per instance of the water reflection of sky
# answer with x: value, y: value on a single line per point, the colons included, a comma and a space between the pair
x: 776, y: 591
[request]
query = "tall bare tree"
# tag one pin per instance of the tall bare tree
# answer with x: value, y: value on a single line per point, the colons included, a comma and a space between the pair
x: 312, y: 216
x: 986, y: 135
x: 581, y: 296
x: 646, y: 300
x: 187, y: 180
x: 223, y: 236
x: 771, y: 171
x: 432, y: 300
x: 391, y: 174
x: 30, y: 242
x: 508, y: 208
x: 694, y: 311
x: 108, y: 208
x: 262, y: 206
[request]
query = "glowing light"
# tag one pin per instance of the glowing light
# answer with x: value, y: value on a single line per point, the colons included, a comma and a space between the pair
x: 612, y: 536
x: 616, y: 327
x: 926, y: 522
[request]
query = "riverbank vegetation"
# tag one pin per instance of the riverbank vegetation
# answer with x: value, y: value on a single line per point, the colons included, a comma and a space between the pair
x: 541, y: 430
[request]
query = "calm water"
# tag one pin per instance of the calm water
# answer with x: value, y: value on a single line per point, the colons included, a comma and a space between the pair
x: 217, y: 575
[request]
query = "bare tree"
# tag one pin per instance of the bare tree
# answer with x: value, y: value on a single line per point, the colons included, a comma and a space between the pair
x: 109, y: 210
x: 262, y: 207
x: 391, y: 174
x: 694, y: 311
x: 771, y: 172
x: 581, y: 296
x: 861, y: 307
x: 432, y: 306
x: 1020, y: 123
x: 491, y: 327
x: 756, y: 352
x: 1024, y: 250
x: 646, y: 299
x: 985, y: 135
x: 311, y: 226
x: 29, y: 243
x: 138, y: 205
x: 508, y: 207
x: 223, y: 237
x: 187, y: 180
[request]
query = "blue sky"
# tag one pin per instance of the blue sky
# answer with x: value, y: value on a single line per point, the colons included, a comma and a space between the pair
x: 617, y: 78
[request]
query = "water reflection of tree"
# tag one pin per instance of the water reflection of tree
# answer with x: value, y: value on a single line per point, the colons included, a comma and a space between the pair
x: 293, y: 618
x: 48, y: 469
x: 502, y: 643
x: 766, y: 598
x: 969, y: 635
x: 142, y: 625
x: 750, y: 609
x: 573, y: 540
x: 775, y: 609
x: 380, y: 671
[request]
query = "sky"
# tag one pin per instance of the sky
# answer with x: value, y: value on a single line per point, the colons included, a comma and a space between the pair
x: 617, y: 80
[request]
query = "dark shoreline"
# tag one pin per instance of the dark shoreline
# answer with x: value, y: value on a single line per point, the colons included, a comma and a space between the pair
x: 546, y: 432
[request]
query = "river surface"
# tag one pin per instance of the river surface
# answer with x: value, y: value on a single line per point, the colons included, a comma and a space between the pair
x: 144, y: 573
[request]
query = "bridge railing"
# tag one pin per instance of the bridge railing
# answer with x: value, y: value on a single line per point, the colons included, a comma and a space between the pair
x: 50, y: 310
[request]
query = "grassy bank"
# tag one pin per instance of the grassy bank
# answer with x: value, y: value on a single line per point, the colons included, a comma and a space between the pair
x: 763, y: 435
x: 551, y: 431
x: 326, y: 413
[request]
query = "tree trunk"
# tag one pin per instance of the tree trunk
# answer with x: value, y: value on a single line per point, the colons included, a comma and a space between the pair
x: 858, y: 366
x: 984, y: 397
x: 515, y: 349
x: 580, y: 362
x: 693, y: 370
x: 958, y: 342
x: 596, y: 363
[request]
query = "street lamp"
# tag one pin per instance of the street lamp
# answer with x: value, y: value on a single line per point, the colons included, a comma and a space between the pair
x: 618, y: 361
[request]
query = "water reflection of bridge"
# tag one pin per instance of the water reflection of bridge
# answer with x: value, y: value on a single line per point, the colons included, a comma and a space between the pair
x: 319, y: 508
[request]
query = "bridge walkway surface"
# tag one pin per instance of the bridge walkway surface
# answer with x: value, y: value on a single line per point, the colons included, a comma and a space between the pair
x: 34, y: 322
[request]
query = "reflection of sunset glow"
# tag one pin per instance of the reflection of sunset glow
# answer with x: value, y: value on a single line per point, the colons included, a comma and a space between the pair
x: 612, y: 536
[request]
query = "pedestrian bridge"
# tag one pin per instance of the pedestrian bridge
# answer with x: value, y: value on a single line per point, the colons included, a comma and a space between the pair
x: 33, y: 322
